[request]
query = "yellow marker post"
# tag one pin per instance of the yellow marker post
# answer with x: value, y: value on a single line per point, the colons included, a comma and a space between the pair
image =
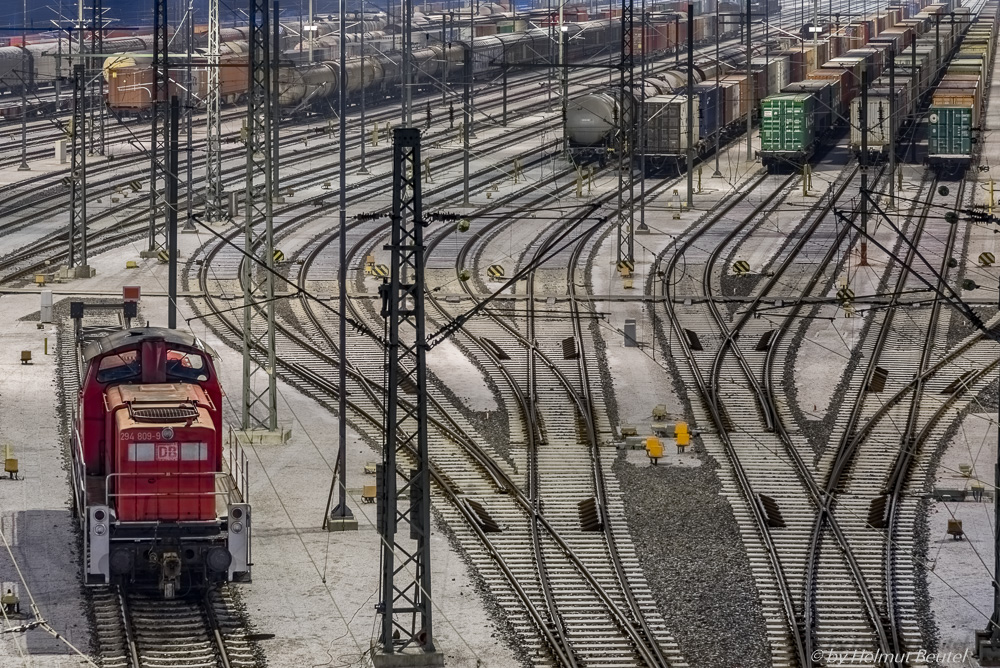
x: 681, y: 435
x: 654, y: 449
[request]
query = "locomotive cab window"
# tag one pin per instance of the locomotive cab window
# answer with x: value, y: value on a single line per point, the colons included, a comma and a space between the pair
x: 183, y: 365
x: 194, y: 451
x: 123, y: 366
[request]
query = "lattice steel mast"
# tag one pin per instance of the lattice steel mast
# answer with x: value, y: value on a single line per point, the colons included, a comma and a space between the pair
x: 78, y: 172
x: 158, y: 138
x: 213, y: 130
x: 406, y: 577
x: 626, y: 184
x: 260, y: 405
x: 97, y: 46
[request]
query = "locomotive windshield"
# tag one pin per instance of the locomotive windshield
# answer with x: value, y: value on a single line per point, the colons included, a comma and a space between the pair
x: 183, y: 365
x: 122, y: 366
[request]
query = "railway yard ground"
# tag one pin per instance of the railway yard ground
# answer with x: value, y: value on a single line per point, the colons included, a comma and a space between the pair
x: 836, y: 499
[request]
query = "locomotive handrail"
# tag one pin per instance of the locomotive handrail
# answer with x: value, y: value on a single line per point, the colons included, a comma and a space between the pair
x: 228, y: 488
x: 236, y: 463
x: 79, y: 471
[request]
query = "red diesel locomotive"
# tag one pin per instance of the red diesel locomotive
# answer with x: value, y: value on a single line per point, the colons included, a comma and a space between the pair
x: 153, y: 493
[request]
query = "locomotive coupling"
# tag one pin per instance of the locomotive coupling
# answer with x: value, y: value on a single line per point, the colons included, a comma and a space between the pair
x: 170, y: 573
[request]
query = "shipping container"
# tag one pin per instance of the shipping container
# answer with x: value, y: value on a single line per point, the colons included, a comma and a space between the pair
x: 828, y: 109
x: 666, y: 124
x: 731, y: 102
x: 743, y: 93
x: 849, y: 85
x: 710, y: 117
x: 778, y: 71
x: 787, y: 124
x: 949, y: 131
x: 883, y: 118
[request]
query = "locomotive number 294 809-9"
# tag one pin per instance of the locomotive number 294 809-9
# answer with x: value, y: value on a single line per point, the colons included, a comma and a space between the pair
x: 147, y: 436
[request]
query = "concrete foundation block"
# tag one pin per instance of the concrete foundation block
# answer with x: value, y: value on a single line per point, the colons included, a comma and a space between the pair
x: 279, y: 436
x: 408, y: 659
x: 987, y: 651
x: 341, y: 524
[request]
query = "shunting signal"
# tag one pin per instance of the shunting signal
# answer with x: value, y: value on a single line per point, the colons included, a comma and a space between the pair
x: 495, y: 272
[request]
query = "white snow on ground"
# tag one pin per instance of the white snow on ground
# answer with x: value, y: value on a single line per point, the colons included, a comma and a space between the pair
x: 821, y: 358
x: 34, y: 512
x: 454, y: 369
x: 961, y: 595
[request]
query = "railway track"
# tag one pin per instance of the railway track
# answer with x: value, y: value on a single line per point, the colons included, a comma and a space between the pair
x: 778, y: 491
x: 197, y: 631
x: 460, y: 476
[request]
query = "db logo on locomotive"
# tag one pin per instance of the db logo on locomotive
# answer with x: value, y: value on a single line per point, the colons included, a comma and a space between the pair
x: 166, y: 452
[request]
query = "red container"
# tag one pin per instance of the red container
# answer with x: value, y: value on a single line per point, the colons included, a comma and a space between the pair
x: 849, y: 85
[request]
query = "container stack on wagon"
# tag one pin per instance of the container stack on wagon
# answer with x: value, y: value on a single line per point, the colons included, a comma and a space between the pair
x: 593, y: 120
x: 912, y: 44
x: 958, y: 101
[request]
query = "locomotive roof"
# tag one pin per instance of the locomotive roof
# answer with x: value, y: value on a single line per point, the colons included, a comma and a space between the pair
x: 129, y: 337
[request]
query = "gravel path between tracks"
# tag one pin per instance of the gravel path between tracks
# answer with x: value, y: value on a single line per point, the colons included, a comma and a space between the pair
x: 688, y: 544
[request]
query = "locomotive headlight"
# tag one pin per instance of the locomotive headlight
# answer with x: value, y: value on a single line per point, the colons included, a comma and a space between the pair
x: 100, y: 529
x: 236, y: 527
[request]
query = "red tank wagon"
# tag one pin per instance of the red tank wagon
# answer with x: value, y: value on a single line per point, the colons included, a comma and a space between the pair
x: 154, y: 493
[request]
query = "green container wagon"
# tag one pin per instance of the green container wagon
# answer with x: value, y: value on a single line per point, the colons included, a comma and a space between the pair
x: 787, y: 127
x: 949, y: 137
